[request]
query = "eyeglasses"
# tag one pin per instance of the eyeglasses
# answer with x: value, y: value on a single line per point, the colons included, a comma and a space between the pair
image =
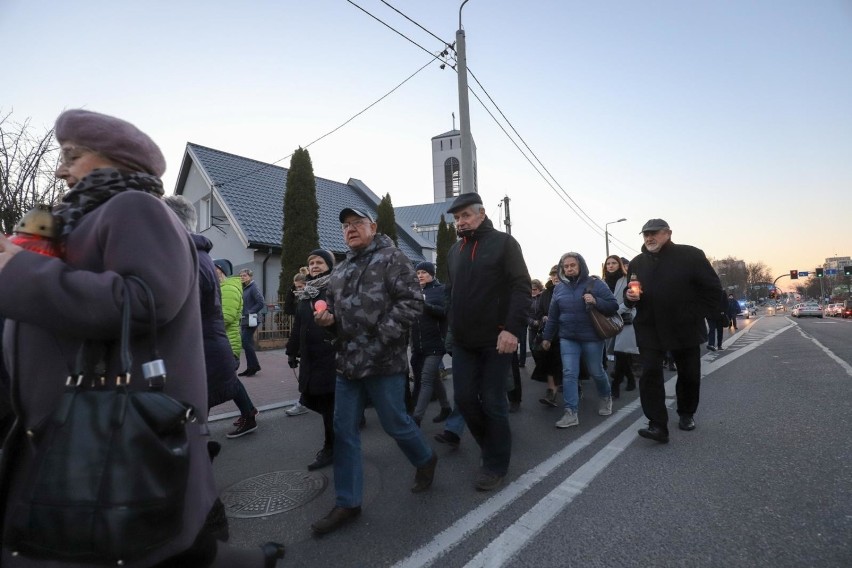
x: 356, y: 224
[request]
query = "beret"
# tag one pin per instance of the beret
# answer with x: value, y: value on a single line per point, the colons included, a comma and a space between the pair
x: 465, y: 200
x: 357, y: 213
x: 112, y: 137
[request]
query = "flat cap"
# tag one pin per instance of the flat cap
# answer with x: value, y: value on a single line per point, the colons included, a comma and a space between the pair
x: 357, y: 213
x: 654, y: 225
x: 112, y: 137
x: 465, y: 200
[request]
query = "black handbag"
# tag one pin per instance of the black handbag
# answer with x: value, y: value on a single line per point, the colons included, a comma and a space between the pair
x: 111, y: 465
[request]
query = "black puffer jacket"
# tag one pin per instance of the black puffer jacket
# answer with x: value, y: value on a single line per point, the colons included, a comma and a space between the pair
x: 430, y: 329
x: 679, y: 290
x: 314, y: 345
x: 489, y: 287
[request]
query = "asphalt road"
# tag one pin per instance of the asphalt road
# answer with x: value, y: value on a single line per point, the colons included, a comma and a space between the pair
x: 764, y: 480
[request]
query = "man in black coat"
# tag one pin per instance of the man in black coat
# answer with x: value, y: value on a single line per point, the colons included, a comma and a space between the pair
x: 489, y: 303
x: 674, y: 289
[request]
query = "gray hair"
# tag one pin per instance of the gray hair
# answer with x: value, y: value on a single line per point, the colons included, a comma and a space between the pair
x: 184, y: 209
x: 248, y: 271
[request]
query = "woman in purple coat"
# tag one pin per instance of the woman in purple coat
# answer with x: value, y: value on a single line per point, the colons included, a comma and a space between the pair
x: 111, y: 224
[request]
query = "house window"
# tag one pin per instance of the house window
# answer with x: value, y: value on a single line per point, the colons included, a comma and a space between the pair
x: 442, y: 145
x: 203, y: 208
x: 452, y: 177
x: 451, y: 143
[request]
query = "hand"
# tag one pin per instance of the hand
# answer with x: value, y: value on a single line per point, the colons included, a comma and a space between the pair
x: 632, y: 295
x: 545, y: 345
x: 324, y: 318
x: 7, y: 251
x: 589, y: 299
x: 293, y: 362
x: 506, y: 342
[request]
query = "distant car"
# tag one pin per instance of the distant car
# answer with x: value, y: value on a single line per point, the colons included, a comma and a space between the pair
x: 833, y: 310
x: 810, y: 309
x: 846, y: 311
x: 781, y: 307
x: 747, y: 309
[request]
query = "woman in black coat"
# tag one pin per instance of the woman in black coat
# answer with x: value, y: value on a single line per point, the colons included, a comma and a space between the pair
x: 548, y: 363
x: 310, y: 346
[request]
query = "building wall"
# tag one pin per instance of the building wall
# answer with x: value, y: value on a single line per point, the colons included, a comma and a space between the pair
x: 443, y: 149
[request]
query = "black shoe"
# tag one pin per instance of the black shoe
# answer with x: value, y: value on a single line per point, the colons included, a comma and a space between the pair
x: 445, y: 413
x: 449, y: 438
x: 514, y: 406
x: 250, y: 372
x: 324, y: 457
x: 338, y: 517
x: 424, y: 475
x: 686, y: 422
x: 711, y: 348
x: 655, y: 433
x: 246, y: 425
x: 272, y: 553
x: 631, y: 384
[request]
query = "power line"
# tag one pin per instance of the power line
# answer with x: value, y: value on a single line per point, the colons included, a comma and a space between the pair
x: 415, y: 23
x: 393, y: 29
x: 350, y: 119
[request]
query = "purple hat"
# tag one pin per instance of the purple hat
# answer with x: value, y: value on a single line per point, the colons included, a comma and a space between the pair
x: 113, y: 138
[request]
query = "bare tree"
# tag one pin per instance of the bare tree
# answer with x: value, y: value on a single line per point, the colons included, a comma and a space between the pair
x: 733, y: 274
x: 27, y: 164
x: 758, y: 274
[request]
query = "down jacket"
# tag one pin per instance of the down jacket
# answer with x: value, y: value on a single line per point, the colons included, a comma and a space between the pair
x: 568, y: 314
x: 375, y: 297
x: 429, y: 331
x: 232, y: 311
x: 313, y: 345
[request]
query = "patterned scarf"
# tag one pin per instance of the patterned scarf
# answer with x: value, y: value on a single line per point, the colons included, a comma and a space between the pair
x: 96, y: 189
x: 312, y: 287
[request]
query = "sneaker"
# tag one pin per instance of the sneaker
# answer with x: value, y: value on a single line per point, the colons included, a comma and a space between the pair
x: 568, y: 419
x: 253, y: 414
x: 338, y: 517
x: 487, y: 481
x: 605, y: 407
x: 296, y: 410
x: 549, y: 398
x: 711, y: 348
x: 247, y: 425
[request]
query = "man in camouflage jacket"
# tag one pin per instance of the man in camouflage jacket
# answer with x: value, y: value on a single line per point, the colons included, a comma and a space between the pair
x: 373, y: 298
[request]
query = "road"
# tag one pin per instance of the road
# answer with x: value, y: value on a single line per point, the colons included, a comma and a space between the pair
x: 765, y: 479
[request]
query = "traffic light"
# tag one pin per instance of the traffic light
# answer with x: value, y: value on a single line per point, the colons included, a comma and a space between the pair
x: 818, y: 272
x: 847, y: 270
x: 794, y: 275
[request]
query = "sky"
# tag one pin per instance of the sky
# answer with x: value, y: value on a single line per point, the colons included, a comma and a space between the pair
x: 731, y: 120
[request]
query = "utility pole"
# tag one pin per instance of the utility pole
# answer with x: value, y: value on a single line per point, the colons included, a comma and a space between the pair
x: 507, y: 219
x: 467, y: 175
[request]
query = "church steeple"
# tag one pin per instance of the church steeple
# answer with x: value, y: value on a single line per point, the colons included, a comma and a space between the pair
x: 446, y: 164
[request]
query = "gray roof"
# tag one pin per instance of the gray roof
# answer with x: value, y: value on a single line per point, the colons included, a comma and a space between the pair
x: 426, y: 214
x: 447, y: 134
x: 254, y: 193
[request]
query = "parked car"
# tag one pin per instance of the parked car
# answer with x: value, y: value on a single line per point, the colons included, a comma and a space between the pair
x: 833, y: 310
x: 846, y: 312
x: 808, y: 309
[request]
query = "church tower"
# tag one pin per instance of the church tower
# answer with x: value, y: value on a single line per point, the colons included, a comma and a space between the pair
x: 446, y: 165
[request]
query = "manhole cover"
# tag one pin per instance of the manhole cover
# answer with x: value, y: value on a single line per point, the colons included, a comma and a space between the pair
x: 272, y: 493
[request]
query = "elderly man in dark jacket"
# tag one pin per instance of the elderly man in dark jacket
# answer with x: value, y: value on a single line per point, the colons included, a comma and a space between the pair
x: 674, y: 289
x: 373, y: 298
x: 489, y: 291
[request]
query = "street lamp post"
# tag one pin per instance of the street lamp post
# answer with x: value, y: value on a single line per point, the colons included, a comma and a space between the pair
x: 606, y: 233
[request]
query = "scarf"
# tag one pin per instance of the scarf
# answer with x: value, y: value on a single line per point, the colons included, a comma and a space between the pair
x: 312, y: 287
x: 611, y: 279
x: 96, y: 189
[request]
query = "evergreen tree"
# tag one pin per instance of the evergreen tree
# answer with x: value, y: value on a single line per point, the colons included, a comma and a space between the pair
x: 386, y: 222
x: 301, y: 214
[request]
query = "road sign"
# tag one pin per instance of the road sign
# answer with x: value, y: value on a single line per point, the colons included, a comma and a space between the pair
x: 803, y: 273
x: 830, y: 271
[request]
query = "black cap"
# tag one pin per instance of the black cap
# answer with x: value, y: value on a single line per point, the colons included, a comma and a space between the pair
x: 225, y: 266
x: 654, y: 225
x: 357, y: 213
x: 465, y: 200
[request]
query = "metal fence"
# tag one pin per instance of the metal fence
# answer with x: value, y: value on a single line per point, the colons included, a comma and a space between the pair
x: 275, y: 330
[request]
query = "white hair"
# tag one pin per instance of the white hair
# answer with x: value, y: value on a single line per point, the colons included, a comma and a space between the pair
x: 184, y: 209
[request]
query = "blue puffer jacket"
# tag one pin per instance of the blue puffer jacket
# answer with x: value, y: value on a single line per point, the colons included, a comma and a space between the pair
x: 568, y: 314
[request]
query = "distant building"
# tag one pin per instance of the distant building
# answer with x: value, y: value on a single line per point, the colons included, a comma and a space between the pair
x: 446, y: 165
x: 838, y: 262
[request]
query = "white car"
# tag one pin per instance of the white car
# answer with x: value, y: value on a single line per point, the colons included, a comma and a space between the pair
x: 833, y: 310
x: 810, y: 309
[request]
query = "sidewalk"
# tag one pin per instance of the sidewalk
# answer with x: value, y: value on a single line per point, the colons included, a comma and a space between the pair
x: 274, y: 386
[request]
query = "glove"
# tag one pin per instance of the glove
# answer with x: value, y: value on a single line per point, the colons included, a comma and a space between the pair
x: 293, y: 362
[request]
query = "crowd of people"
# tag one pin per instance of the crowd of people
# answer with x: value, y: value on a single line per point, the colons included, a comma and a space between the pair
x: 355, y: 321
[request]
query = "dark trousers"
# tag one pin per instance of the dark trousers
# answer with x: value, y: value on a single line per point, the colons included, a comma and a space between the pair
x: 516, y: 392
x: 652, y: 391
x: 479, y: 383
x: 247, y: 337
x: 522, y: 346
x: 714, y: 336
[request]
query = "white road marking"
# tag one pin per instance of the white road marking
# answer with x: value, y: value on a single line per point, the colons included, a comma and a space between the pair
x: 516, y: 536
x: 846, y: 366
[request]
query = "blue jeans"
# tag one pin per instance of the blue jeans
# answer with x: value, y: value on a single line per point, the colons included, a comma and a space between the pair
x: 426, y: 368
x: 479, y: 381
x: 247, y: 337
x: 387, y: 395
x: 455, y: 422
x: 592, y: 354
